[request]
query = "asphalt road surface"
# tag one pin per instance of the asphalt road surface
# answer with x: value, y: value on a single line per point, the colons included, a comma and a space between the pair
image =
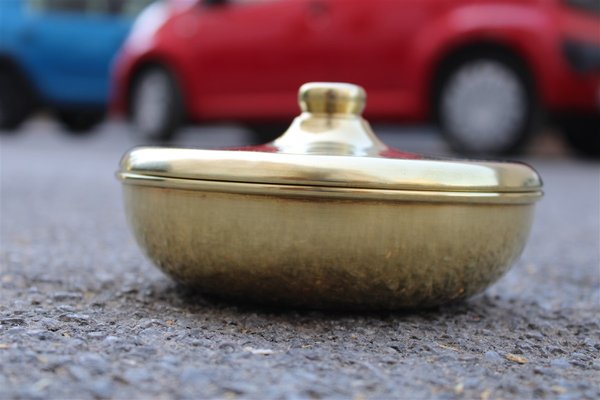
x: 84, y: 315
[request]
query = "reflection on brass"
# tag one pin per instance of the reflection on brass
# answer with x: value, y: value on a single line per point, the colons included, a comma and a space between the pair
x: 328, y: 216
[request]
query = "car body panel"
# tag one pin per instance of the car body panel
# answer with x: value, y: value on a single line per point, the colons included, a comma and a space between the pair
x: 244, y: 59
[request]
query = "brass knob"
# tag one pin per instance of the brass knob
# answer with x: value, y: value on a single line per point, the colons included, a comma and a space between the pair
x: 332, y: 98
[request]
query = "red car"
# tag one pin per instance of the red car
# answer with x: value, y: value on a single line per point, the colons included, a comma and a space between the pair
x: 484, y: 70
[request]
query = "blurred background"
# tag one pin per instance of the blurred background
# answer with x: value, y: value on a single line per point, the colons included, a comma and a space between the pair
x: 493, y: 78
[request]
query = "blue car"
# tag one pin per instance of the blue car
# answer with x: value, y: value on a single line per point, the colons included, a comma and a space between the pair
x: 57, y: 54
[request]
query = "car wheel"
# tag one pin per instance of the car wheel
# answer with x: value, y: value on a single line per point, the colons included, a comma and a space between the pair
x: 485, y: 106
x: 79, y: 122
x: 16, y: 102
x: 156, y: 105
x: 583, y: 134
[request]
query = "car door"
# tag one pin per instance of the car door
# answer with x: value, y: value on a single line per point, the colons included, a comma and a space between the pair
x: 369, y: 43
x: 252, y: 55
x: 70, y: 44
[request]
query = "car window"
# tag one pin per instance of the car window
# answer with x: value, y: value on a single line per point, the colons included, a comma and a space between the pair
x: 134, y: 7
x: 110, y: 7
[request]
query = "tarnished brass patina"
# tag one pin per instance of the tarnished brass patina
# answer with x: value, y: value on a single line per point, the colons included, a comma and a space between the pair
x: 327, y: 215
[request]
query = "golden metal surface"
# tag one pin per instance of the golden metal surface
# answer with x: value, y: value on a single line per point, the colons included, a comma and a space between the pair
x: 333, y: 192
x: 324, y: 217
x: 326, y: 252
x: 331, y: 98
x: 330, y: 171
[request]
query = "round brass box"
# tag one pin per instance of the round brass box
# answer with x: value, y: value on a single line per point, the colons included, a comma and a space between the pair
x: 328, y: 216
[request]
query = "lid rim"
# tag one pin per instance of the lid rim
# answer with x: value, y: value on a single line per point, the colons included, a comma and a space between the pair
x: 331, y: 170
x: 123, y: 176
x: 269, y: 189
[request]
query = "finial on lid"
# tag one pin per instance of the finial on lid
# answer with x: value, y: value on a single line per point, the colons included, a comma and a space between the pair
x: 332, y: 98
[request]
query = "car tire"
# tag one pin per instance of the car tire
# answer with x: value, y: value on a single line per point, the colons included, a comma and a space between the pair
x: 156, y: 106
x: 79, y: 122
x: 16, y: 101
x: 583, y: 134
x: 485, y: 105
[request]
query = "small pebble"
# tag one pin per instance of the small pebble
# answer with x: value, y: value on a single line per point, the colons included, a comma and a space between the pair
x: 102, y: 388
x: 79, y: 373
x: 66, y: 296
x: 137, y: 375
x: 492, y: 356
x: 81, y: 319
x: 516, y: 358
x: 12, y: 321
x: 95, y: 363
x: 96, y: 335
x: 51, y: 324
x: 560, y: 363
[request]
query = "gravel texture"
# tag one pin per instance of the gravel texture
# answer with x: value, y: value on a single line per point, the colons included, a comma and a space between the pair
x: 83, y: 315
